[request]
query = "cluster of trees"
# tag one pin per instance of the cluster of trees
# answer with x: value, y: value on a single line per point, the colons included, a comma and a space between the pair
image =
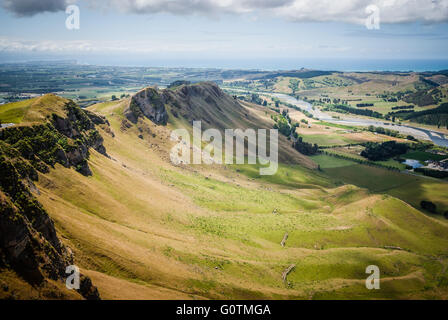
x: 334, y: 101
x: 403, y: 107
x: 384, y: 151
x: 255, y: 98
x: 431, y: 207
x: 294, y: 85
x: 360, y: 161
x: 393, y: 96
x: 325, y: 100
x: 422, y: 97
x: 437, y: 116
x: 393, y: 114
x: 347, y: 109
x: 284, y: 126
x: 341, y: 146
x: 399, y: 111
x: 305, y: 148
x: 432, y: 173
x: 385, y: 131
x: 428, y: 206
x: 362, y: 105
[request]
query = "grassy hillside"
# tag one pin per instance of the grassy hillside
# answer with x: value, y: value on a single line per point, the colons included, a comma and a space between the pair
x: 410, y: 188
x: 32, y: 110
x: 143, y: 228
x: 212, y: 234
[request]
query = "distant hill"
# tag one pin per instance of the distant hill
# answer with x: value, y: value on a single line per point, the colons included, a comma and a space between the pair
x: 205, y: 101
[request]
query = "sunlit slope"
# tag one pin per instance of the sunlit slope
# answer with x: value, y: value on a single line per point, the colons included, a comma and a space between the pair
x: 207, y: 103
x: 143, y: 228
x: 34, y: 110
x: 408, y: 187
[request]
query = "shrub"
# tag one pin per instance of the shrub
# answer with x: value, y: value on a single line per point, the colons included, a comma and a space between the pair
x: 428, y: 206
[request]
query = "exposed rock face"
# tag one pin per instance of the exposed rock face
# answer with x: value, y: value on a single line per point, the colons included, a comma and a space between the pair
x: 187, y: 99
x: 80, y: 124
x: 28, y: 241
x: 96, y: 118
x: 206, y: 101
x: 148, y: 103
x: 65, y: 140
x: 31, y: 253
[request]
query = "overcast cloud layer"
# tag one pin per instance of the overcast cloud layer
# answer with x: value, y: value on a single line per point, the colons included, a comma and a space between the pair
x: 351, y: 11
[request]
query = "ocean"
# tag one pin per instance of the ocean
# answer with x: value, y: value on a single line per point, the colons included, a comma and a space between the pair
x: 418, y: 65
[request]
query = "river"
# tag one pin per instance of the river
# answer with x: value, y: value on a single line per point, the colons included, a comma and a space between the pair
x: 437, y: 138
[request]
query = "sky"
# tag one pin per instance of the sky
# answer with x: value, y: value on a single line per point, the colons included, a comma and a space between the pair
x: 254, y: 34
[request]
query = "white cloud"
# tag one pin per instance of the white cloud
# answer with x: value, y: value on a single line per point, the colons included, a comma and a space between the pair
x: 126, y: 46
x: 353, y: 11
x: 350, y: 11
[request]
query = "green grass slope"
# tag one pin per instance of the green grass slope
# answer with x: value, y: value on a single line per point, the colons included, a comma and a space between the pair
x: 143, y: 228
x: 215, y: 232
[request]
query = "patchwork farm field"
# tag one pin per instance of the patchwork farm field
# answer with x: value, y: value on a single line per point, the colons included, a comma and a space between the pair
x: 410, y: 188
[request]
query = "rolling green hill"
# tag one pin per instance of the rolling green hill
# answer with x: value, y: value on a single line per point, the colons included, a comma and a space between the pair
x: 143, y: 228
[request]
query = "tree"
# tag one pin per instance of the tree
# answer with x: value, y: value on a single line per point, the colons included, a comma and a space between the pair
x: 305, y: 148
x: 428, y: 206
x: 114, y: 98
x: 446, y: 214
x: 383, y: 151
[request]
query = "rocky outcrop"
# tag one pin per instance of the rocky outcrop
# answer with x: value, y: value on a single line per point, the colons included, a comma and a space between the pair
x: 29, y: 244
x: 201, y: 101
x: 32, y: 254
x: 96, y: 118
x: 147, y: 103
x: 64, y: 139
x: 80, y: 124
x: 28, y: 241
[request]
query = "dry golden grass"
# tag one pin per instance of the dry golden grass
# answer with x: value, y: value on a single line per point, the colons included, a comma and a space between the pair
x: 145, y: 229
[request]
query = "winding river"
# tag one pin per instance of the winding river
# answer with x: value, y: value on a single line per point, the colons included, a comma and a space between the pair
x: 437, y: 138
